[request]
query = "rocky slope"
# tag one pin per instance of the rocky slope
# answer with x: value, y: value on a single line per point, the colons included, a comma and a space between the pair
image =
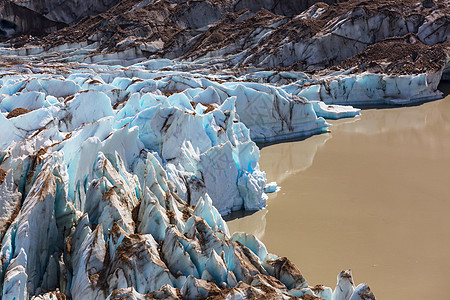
x: 45, y: 16
x: 321, y: 36
x: 16, y: 19
x: 262, y: 34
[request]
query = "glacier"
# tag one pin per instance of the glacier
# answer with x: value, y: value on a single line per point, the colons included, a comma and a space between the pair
x: 125, y: 138
x: 114, y: 181
x: 368, y: 88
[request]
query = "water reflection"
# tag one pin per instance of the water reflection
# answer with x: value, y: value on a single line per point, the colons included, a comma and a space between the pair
x: 401, y: 118
x: 284, y: 160
x: 426, y: 125
x: 248, y: 222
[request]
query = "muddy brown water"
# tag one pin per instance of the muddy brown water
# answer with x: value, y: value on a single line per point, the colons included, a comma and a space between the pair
x: 372, y: 195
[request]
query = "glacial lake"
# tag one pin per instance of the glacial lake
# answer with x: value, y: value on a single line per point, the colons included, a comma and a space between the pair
x: 372, y: 195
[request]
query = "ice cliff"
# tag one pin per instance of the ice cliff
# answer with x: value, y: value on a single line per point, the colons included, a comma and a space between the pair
x: 113, y: 181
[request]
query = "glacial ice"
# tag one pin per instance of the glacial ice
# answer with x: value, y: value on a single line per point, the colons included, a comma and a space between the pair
x: 10, y: 133
x: 27, y: 100
x: 362, y: 291
x: 271, y: 187
x: 251, y: 242
x: 108, y: 176
x: 367, y: 88
x: 114, y: 179
x: 345, y: 287
x: 334, y: 111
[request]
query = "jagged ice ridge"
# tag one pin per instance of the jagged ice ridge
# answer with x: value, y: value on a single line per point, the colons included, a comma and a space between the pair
x: 114, y: 181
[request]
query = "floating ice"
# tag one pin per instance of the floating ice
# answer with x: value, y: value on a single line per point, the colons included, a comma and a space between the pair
x: 271, y: 187
x: 334, y: 111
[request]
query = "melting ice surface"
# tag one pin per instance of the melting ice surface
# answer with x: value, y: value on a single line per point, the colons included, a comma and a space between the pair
x: 114, y: 179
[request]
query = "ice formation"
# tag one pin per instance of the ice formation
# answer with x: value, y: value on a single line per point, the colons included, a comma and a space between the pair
x: 116, y: 169
x: 111, y: 172
x: 368, y: 88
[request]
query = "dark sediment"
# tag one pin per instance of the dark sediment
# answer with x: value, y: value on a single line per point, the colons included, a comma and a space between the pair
x: 17, y: 112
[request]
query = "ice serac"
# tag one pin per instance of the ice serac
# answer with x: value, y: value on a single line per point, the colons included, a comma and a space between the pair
x: 11, y: 201
x: 345, y: 287
x: 251, y: 242
x: 271, y: 114
x: 10, y: 134
x: 362, y: 292
x: 37, y: 232
x: 323, y: 292
x: 193, y: 141
x: 16, y: 279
